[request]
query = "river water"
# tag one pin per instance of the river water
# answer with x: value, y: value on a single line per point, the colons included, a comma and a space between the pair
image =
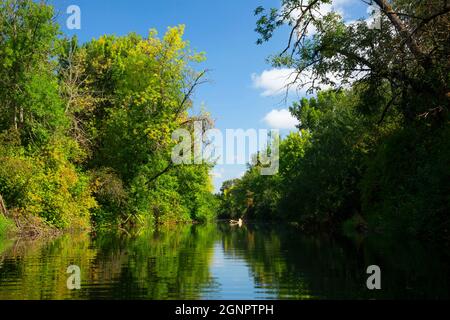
x: 218, y: 261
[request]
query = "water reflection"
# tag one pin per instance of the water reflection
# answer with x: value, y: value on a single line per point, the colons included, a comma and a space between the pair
x: 217, y: 261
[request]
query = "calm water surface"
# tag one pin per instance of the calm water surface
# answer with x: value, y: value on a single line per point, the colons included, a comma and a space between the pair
x: 217, y: 261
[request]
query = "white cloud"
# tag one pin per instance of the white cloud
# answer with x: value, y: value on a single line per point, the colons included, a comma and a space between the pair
x: 280, y: 119
x: 273, y: 82
x: 276, y: 81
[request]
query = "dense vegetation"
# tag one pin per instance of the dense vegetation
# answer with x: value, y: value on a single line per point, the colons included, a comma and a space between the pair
x: 85, y: 130
x: 373, y: 147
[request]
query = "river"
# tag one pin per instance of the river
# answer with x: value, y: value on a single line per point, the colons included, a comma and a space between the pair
x: 219, y: 261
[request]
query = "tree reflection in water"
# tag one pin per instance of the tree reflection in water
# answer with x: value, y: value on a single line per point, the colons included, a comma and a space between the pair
x: 218, y: 261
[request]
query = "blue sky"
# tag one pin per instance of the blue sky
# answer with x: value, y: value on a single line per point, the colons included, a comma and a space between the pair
x: 243, y: 91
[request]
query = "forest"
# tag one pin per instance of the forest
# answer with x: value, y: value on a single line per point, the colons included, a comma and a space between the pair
x: 372, y: 150
x: 86, y: 128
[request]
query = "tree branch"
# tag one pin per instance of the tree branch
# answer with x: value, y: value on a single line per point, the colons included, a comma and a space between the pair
x: 196, y: 83
x: 401, y: 28
x: 3, y: 209
x: 167, y: 169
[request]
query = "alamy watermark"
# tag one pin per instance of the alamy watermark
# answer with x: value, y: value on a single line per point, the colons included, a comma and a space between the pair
x: 374, y: 21
x: 73, y: 22
x: 236, y: 146
x: 74, y: 280
x: 374, y: 280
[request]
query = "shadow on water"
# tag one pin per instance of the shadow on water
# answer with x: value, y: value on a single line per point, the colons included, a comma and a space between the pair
x: 218, y: 261
x: 297, y: 266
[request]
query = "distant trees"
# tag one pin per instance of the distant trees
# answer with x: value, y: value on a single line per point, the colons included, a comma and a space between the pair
x: 320, y: 167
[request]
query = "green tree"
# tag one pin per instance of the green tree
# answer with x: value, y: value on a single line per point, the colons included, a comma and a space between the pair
x: 29, y: 90
x: 408, y: 54
x: 127, y: 95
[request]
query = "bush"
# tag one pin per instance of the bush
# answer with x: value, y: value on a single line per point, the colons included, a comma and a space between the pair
x: 47, y: 185
x: 6, y: 226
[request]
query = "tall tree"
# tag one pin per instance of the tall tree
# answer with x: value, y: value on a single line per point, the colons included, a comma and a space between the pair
x: 28, y: 86
x: 407, y: 57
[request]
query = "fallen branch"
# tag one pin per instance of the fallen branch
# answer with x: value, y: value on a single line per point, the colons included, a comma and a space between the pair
x: 3, y: 209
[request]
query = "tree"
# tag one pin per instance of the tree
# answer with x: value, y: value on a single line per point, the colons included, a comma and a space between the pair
x: 126, y: 95
x: 367, y: 153
x: 28, y: 89
x: 408, y: 56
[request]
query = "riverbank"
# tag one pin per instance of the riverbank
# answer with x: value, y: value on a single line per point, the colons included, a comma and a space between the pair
x: 34, y: 228
x: 26, y: 227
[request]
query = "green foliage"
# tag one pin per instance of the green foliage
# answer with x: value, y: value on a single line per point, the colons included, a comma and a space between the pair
x: 406, y: 54
x: 252, y: 197
x: 29, y: 90
x: 6, y: 227
x: 372, y: 156
x: 406, y: 187
x: 46, y: 184
x: 320, y: 166
x: 341, y: 171
x: 143, y: 83
x: 195, y: 187
x: 327, y: 175
x: 85, y: 130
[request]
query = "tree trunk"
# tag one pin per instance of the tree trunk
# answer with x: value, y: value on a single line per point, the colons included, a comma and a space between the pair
x: 401, y: 28
x: 3, y: 209
x: 15, y: 118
